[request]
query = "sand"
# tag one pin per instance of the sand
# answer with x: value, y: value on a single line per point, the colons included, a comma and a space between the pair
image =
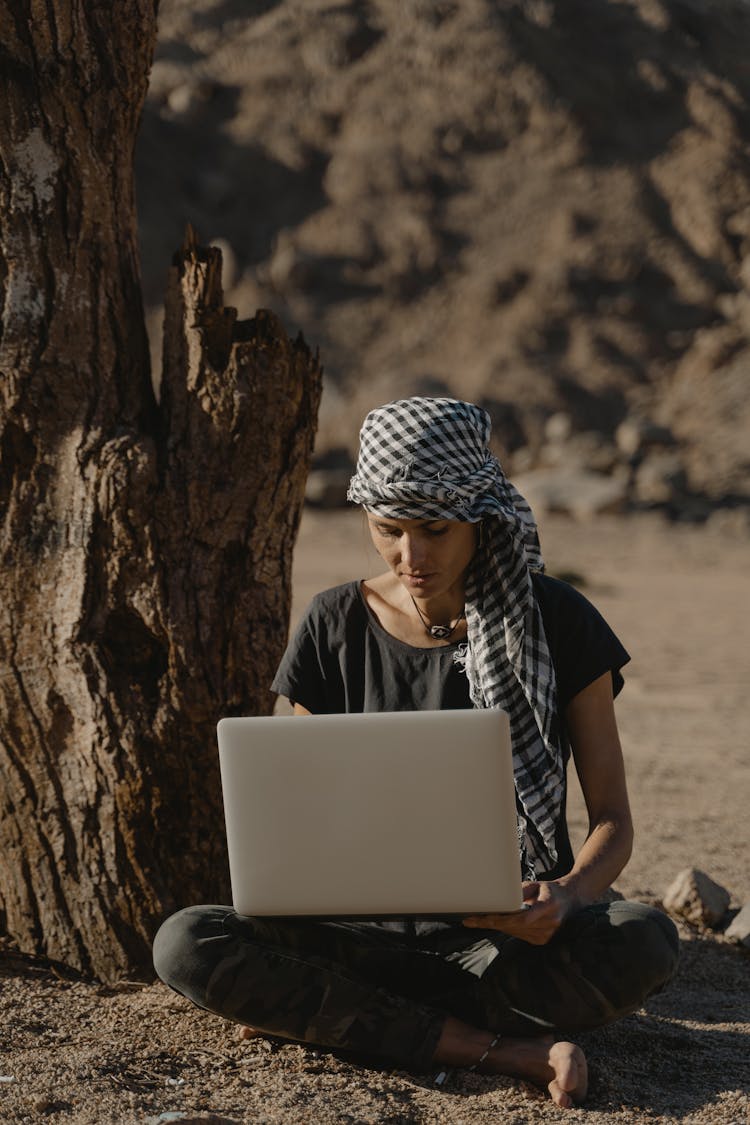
x: 74, y: 1051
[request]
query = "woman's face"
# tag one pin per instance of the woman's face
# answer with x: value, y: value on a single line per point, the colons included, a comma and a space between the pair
x: 429, y: 557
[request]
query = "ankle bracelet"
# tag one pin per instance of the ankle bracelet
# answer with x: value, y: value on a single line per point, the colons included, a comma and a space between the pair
x: 481, y: 1059
x: 442, y: 1076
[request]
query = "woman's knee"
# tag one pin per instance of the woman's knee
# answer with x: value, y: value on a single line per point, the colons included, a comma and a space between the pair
x: 629, y: 951
x: 185, y: 947
x: 603, y: 964
x: 654, y: 939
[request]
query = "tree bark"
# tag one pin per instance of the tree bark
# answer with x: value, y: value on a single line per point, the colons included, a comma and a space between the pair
x: 145, y: 548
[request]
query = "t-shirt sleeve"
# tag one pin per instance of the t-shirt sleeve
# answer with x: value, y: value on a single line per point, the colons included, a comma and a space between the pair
x: 583, y: 646
x: 300, y: 675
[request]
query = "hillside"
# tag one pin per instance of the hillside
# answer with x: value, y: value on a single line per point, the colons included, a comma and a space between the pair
x: 540, y: 206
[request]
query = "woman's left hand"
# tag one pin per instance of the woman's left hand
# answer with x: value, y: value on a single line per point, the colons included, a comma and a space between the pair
x: 546, y: 906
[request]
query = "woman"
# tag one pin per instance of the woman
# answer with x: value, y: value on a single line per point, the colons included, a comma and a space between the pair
x: 463, y: 616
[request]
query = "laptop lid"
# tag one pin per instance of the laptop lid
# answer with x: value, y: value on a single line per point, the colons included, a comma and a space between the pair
x: 370, y: 815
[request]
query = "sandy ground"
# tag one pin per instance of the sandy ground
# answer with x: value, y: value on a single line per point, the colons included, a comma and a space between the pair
x: 73, y: 1051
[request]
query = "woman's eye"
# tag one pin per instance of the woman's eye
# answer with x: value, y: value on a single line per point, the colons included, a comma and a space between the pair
x: 437, y: 531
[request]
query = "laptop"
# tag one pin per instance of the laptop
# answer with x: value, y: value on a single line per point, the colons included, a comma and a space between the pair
x: 371, y: 815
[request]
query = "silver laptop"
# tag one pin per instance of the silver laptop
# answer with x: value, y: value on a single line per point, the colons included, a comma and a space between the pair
x: 409, y: 813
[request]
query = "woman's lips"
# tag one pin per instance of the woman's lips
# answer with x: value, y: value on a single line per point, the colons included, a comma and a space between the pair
x: 418, y: 579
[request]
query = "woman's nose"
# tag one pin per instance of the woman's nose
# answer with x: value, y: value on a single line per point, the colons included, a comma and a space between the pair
x: 413, y: 552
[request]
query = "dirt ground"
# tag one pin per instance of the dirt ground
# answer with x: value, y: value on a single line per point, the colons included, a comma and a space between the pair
x: 73, y: 1051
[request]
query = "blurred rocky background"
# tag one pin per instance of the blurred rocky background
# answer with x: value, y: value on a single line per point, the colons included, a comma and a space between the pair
x: 541, y: 206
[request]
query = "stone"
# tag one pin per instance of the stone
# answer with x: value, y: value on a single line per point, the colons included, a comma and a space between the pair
x: 166, y: 75
x: 178, y: 1117
x: 327, y: 488
x: 575, y: 492
x: 739, y: 928
x: 187, y: 99
x: 289, y: 267
x: 558, y: 427
x: 182, y: 100
x: 697, y: 898
x: 588, y: 451
x: 660, y: 479
x: 635, y: 434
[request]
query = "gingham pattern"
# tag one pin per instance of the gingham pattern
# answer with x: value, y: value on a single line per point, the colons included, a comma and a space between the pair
x: 428, y: 458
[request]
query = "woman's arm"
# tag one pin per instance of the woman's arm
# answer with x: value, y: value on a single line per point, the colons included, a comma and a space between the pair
x: 598, y: 758
x: 300, y: 710
x: 595, y: 744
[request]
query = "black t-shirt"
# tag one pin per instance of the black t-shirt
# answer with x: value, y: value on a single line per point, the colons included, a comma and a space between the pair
x: 341, y: 660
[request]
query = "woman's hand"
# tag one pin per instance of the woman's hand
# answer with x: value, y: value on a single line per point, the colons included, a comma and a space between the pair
x: 546, y: 906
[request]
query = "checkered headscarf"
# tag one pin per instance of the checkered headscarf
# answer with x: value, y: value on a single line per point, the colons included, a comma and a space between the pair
x: 428, y: 458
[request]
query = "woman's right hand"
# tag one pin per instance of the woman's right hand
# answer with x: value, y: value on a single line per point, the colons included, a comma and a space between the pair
x: 546, y: 905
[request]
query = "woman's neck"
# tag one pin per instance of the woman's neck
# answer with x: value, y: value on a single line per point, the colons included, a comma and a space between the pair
x: 440, y: 610
x: 398, y: 614
x: 444, y: 610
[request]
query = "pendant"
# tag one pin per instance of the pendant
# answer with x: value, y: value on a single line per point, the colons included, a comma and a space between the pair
x: 440, y: 632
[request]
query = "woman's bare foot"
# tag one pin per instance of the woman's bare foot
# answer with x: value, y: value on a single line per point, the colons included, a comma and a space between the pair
x: 561, y: 1067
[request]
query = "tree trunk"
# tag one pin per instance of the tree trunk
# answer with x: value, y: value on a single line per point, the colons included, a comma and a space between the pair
x: 145, y: 548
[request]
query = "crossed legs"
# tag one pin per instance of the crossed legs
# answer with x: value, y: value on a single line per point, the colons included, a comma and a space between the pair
x: 439, y: 1001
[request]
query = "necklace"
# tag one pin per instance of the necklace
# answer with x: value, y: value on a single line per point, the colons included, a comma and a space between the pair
x: 439, y: 632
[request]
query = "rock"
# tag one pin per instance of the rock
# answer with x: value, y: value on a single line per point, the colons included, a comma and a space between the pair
x: 327, y: 488
x: 660, y: 479
x: 328, y: 479
x: 603, y: 457
x: 182, y: 99
x: 697, y: 898
x: 636, y: 434
x: 178, y: 1117
x: 290, y: 267
x: 558, y: 427
x: 575, y: 492
x: 739, y: 928
x: 189, y: 98
x: 588, y: 451
x: 167, y: 75
x: 382, y: 144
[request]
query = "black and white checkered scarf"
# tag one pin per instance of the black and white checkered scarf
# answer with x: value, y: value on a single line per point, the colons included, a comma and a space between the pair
x: 428, y: 458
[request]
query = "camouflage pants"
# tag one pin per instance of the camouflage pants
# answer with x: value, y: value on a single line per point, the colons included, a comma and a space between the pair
x: 354, y: 987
